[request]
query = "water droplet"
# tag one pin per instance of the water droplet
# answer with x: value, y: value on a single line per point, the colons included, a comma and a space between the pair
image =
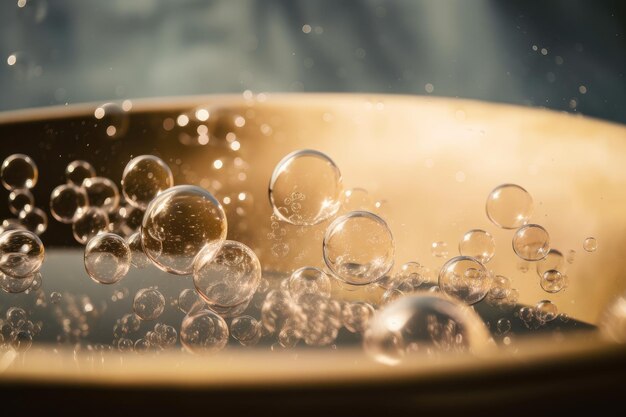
x: 66, y: 201
x: 314, y: 179
x: 358, y: 248
x: 509, y: 206
x: 465, y: 278
x: 229, y: 277
x: 478, y: 244
x: 178, y: 224
x: 144, y: 178
x: 19, y: 171
x: 107, y: 258
x: 531, y: 242
x: 148, y: 304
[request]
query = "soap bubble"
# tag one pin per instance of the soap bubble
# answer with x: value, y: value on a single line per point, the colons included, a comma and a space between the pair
x: 439, y: 249
x: 107, y: 258
x: 204, y: 332
x: 187, y: 299
x: 309, y: 280
x: 88, y: 223
x: 553, y: 260
x: 411, y: 274
x: 15, y: 285
x: 531, y: 242
x: 35, y: 220
x: 465, y: 278
x: 137, y: 257
x: 526, y: 314
x: 552, y: 281
x: 503, y: 326
x: 499, y: 287
x: 178, y: 224
x: 305, y: 188
x: 101, y: 193
x: 78, y: 171
x: 66, y: 201
x: 246, y: 330
x: 55, y: 297
x: 144, y: 178
x: 21, y: 199
x: 424, y: 324
x: 358, y: 248
x: 288, y: 337
x: 148, y: 304
x: 18, y: 171
x: 112, y: 119
x: 21, y: 253
x: 545, y: 311
x: 590, y: 244
x: 478, y: 244
x: 229, y: 277
x: 356, y: 315
x: 509, y: 206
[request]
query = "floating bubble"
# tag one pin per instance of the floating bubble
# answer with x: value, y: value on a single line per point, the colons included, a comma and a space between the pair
x: 526, y: 314
x: 357, y: 199
x: 545, y: 311
x: 107, y: 258
x: 478, y: 244
x: 288, y: 337
x: 553, y: 260
x: 141, y: 345
x: 305, y: 188
x: 590, y: 244
x: 55, y: 297
x: 148, y: 304
x: 499, y: 287
x: 439, y: 249
x: 22, y: 340
x: 356, y: 315
x: 424, y: 324
x: 552, y: 281
x: 187, y: 299
x: 509, y: 206
x: 144, y: 178
x: 309, y: 280
x: 229, y: 277
x: 358, y: 248
x: 78, y: 171
x: 88, y: 223
x: 246, y: 330
x: 18, y: 171
x: 167, y: 335
x: 21, y: 253
x: 531, y: 242
x: 112, y: 119
x: 503, y: 326
x: 21, y: 199
x: 15, y: 285
x: 204, y: 332
x: 465, y: 278
x: 178, y: 224
x: 137, y: 258
x: 66, y: 201
x: 411, y: 274
x: 35, y: 220
x: 101, y: 193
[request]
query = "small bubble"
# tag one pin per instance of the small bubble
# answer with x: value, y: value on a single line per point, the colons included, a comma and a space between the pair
x: 21, y: 253
x: 77, y: 171
x: 590, y: 244
x: 545, y: 311
x: 101, y: 193
x: 309, y: 280
x: 358, y: 248
x: 107, y: 258
x: 112, y: 119
x: 148, y: 304
x: 503, y: 326
x: 18, y: 171
x: 465, y: 278
x: 314, y: 176
x: 66, y: 201
x: 89, y: 223
x: 21, y: 200
x: 552, y: 281
x: 144, y: 178
x: 55, y: 297
x: 531, y: 242
x: 478, y: 244
x: 204, y: 332
x: 246, y: 330
x: 35, y: 220
x: 509, y: 206
x: 187, y: 299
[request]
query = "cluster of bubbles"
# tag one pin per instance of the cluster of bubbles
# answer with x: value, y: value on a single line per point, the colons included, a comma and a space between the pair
x: 181, y: 229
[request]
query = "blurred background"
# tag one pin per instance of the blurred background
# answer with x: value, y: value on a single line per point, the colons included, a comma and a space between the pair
x: 567, y: 55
